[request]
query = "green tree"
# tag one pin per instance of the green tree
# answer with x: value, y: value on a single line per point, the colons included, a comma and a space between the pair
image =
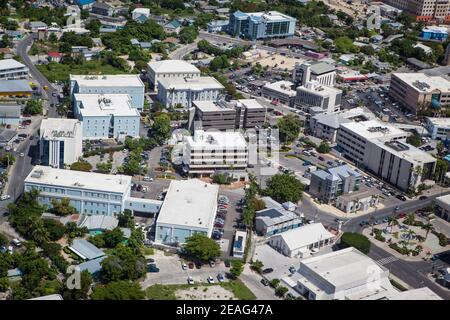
x: 274, y: 283
x: 5, y: 43
x: 126, y: 219
x: 257, y: 265
x: 81, y: 165
x: 355, y: 240
x: 118, y: 290
x: 55, y: 229
x: 414, y: 140
x: 123, y: 264
x: 281, y: 291
x: 112, y: 237
x: 188, y: 34
x: 200, y: 247
x: 7, y: 159
x: 33, y: 107
x: 104, y: 167
x: 324, y: 147
x: 289, y: 128
x: 284, y: 187
x: 237, y: 266
x: 345, y: 45
x: 62, y: 207
x: 161, y: 128
x: 82, y: 293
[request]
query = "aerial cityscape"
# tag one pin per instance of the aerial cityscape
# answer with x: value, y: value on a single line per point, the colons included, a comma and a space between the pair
x: 248, y: 150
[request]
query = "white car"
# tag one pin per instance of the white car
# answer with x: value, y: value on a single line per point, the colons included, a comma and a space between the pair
x: 22, y: 154
x: 190, y: 280
x: 184, y: 266
x: 210, y: 280
x: 5, y: 197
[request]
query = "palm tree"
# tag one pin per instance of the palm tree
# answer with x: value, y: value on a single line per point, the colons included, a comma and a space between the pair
x: 427, y: 227
x: 392, y: 221
x: 38, y: 232
x: 410, y: 233
x: 410, y: 218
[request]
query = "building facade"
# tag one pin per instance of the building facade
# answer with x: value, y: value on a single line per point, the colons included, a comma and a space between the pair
x: 418, y: 91
x: 107, y: 116
x: 110, y: 84
x: 438, y: 128
x: 170, y: 69
x: 315, y: 98
x: 424, y: 10
x: 207, y: 152
x: 321, y: 72
x: 279, y: 92
x: 261, y: 25
x: 11, y: 69
x: 10, y: 114
x: 184, y: 91
x: 60, y: 142
x: 331, y: 183
x: 443, y: 207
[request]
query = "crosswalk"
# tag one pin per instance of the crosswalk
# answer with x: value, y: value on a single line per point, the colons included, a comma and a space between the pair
x: 387, y: 260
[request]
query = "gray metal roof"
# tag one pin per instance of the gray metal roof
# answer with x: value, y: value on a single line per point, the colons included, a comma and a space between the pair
x: 322, y: 67
x: 14, y: 86
x: 9, y: 111
x: 92, y: 266
x: 86, y: 250
x: 7, y: 135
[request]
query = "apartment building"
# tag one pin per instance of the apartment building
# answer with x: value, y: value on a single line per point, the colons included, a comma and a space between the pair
x: 279, y: 92
x: 60, y: 142
x: 129, y: 84
x: 353, y: 137
x: 170, y: 69
x: 261, y: 25
x: 424, y: 10
x: 438, y: 128
x: 329, y: 184
x: 322, y: 72
x: 11, y: 69
x: 233, y: 115
x: 107, y: 116
x: 418, y: 91
x: 314, y: 98
x: 184, y: 91
x: 89, y: 193
x: 206, y: 152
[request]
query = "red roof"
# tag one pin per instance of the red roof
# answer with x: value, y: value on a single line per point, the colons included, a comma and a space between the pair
x: 54, y: 54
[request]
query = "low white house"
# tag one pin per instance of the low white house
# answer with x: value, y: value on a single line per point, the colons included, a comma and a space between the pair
x: 302, y: 242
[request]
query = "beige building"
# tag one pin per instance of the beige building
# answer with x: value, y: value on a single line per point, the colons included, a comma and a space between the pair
x: 424, y: 10
x: 418, y: 91
x: 170, y: 69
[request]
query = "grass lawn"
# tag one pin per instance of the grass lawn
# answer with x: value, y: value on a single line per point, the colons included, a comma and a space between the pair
x: 146, y: 251
x: 239, y: 289
x: 167, y: 292
x: 60, y: 72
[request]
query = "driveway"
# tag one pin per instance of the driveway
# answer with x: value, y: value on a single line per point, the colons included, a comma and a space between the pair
x: 275, y: 260
x: 253, y: 281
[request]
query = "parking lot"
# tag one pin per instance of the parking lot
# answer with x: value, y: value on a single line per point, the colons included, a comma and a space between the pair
x: 171, y: 271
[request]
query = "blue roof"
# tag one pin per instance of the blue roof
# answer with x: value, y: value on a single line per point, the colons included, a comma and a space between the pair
x: 173, y: 24
x: 240, y: 14
x: 92, y: 266
x: 447, y: 157
x: 15, y: 86
x: 86, y: 250
x: 84, y: 2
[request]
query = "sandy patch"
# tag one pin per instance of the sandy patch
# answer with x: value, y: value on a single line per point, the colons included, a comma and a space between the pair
x: 205, y: 293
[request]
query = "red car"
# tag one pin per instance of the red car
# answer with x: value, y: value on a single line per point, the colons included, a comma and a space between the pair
x: 402, y: 215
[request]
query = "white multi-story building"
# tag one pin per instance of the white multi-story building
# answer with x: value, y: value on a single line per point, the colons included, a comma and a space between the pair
x: 130, y: 84
x: 439, y: 128
x: 382, y: 149
x: 170, y: 69
x: 279, y: 92
x: 89, y: 193
x: 206, y: 152
x: 60, y: 141
x: 322, y: 72
x: 11, y: 69
x: 314, y: 98
x: 348, y: 274
x: 189, y: 207
x: 107, y: 115
x: 183, y: 91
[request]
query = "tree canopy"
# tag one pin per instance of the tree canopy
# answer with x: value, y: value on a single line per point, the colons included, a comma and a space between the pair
x: 284, y: 187
x: 289, y: 128
x: 200, y: 247
x: 118, y: 290
x: 355, y: 240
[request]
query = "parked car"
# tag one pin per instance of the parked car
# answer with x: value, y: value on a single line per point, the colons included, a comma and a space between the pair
x: 150, y: 260
x: 423, y: 197
x: 198, y: 265
x: 227, y: 263
x: 212, y: 264
x: 321, y: 158
x: 190, y: 280
x: 292, y: 269
x: 191, y: 265
x: 220, y: 277
x: 267, y: 271
x: 265, y: 282
x: 5, y: 197
x: 152, y: 268
x: 401, y: 197
x: 184, y: 266
x: 210, y: 280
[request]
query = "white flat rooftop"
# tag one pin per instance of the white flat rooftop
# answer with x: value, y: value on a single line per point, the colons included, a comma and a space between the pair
x: 197, y: 83
x: 306, y: 235
x: 59, y: 128
x: 118, y: 80
x: 411, y: 154
x: 343, y: 267
x: 211, y: 106
x: 79, y: 179
x: 173, y: 66
x: 440, y: 122
x: 424, y: 83
x: 373, y: 129
x: 282, y: 86
x: 250, y: 103
x: 189, y: 203
x: 10, y: 64
x: 270, y: 15
x: 216, y: 139
x: 106, y: 104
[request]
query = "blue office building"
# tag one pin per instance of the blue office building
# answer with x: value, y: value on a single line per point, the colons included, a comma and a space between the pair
x: 261, y: 25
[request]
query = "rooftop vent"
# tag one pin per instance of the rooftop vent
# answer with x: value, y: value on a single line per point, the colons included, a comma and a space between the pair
x: 378, y: 129
x: 37, y: 174
x: 421, y: 85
